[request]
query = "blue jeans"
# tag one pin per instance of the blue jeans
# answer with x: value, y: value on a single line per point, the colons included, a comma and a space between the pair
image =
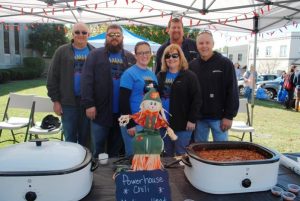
x: 248, y: 93
x: 177, y: 146
x: 204, y: 126
x: 128, y: 139
x: 109, y: 136
x: 76, y: 126
x: 99, y: 136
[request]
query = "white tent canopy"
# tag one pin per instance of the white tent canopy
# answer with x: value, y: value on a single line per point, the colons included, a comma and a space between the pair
x: 229, y: 15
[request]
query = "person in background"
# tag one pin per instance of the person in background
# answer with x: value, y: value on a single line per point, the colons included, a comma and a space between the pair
x: 63, y: 85
x: 175, y: 31
x: 134, y: 84
x: 180, y: 94
x: 296, y: 82
x: 237, y: 70
x: 250, y: 77
x: 219, y: 90
x: 100, y: 91
x: 289, y: 77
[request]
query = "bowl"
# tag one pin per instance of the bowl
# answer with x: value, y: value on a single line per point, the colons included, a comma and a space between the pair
x: 288, y: 196
x: 294, y: 188
x: 276, y: 191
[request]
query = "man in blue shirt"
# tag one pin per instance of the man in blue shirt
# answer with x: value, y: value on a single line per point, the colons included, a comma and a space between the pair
x: 63, y: 85
x: 100, y: 91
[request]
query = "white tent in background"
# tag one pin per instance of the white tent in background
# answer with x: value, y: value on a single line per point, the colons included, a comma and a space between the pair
x: 130, y: 39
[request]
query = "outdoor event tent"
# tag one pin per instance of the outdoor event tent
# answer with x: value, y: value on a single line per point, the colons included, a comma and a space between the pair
x: 229, y: 15
x: 130, y: 39
x: 248, y: 16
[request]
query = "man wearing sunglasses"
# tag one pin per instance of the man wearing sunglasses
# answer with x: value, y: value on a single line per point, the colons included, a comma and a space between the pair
x: 220, y: 100
x: 188, y: 46
x: 100, y: 86
x: 63, y: 85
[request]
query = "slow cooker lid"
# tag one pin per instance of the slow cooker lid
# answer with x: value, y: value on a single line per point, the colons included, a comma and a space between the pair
x: 50, y: 156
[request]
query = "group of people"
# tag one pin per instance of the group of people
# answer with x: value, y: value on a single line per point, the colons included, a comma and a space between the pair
x: 291, y: 83
x: 91, y: 88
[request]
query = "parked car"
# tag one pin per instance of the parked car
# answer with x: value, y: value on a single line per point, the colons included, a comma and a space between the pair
x: 260, y: 78
x: 272, y: 86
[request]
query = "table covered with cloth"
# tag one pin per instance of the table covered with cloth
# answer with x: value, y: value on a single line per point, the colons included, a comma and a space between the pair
x: 104, y: 187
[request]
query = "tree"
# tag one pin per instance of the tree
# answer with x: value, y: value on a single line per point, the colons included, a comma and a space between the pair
x: 46, y: 38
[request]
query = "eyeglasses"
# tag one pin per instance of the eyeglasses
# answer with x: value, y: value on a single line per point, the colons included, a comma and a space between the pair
x: 117, y: 35
x: 82, y: 32
x: 143, y: 53
x: 174, y: 56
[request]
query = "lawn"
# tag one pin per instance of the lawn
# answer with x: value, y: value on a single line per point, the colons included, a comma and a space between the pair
x: 276, y: 127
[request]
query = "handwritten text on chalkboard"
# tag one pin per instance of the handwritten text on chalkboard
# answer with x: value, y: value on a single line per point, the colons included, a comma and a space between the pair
x: 143, y: 185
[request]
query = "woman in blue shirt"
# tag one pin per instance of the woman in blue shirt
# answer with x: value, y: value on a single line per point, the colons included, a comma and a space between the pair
x: 134, y: 81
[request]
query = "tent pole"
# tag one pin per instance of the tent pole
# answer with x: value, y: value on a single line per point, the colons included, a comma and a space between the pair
x: 255, y: 30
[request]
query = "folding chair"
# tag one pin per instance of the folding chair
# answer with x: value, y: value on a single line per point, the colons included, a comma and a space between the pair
x: 42, y: 105
x: 243, y: 126
x: 17, y: 114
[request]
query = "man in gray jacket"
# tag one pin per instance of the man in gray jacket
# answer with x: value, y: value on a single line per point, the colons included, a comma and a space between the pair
x: 63, y: 85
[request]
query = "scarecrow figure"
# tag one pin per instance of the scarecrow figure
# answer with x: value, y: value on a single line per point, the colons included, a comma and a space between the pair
x: 147, y: 144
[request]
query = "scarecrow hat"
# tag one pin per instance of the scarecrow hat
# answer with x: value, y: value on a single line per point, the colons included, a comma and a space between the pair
x: 152, y: 94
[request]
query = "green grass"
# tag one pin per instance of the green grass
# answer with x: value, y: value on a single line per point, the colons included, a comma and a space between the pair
x: 276, y: 127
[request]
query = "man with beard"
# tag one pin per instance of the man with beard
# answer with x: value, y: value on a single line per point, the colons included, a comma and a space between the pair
x: 100, y: 91
x: 188, y: 46
x: 63, y: 85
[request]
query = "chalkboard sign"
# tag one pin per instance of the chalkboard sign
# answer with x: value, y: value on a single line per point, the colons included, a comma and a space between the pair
x: 143, y: 186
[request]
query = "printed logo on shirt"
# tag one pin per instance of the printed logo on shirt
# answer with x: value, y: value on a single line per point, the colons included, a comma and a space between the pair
x: 80, y: 56
x: 116, y: 63
x: 167, y: 87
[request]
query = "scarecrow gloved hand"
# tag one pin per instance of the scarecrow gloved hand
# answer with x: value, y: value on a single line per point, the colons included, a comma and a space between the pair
x: 124, y: 120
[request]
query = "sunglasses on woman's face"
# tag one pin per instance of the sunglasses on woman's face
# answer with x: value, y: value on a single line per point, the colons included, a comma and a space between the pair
x: 174, y: 56
x: 82, y: 32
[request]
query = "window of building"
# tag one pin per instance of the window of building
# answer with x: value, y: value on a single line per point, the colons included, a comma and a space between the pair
x: 17, y: 44
x: 230, y: 57
x: 268, y: 50
x: 240, y: 57
x: 282, y: 51
x: 6, y: 39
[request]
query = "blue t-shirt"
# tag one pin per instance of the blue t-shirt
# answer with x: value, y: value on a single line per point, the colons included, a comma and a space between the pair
x: 79, y: 59
x: 136, y: 79
x: 116, y: 71
x: 165, y: 97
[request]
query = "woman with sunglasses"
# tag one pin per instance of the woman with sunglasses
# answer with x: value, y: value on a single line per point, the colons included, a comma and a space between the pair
x: 180, y: 94
x: 134, y: 84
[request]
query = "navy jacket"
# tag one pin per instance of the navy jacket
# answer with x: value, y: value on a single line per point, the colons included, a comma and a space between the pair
x: 188, y: 47
x: 218, y: 84
x: 97, y: 83
x: 185, y: 98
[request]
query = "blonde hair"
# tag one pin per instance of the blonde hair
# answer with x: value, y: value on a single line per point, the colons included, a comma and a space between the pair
x: 183, y: 64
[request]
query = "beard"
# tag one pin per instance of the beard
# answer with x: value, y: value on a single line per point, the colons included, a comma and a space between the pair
x: 114, y: 48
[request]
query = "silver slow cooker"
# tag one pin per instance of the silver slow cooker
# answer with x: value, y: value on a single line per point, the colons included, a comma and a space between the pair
x: 45, y: 171
x: 231, y: 177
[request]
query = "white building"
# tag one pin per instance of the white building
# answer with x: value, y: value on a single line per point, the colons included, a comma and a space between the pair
x: 13, y: 41
x: 276, y: 54
x: 238, y: 54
